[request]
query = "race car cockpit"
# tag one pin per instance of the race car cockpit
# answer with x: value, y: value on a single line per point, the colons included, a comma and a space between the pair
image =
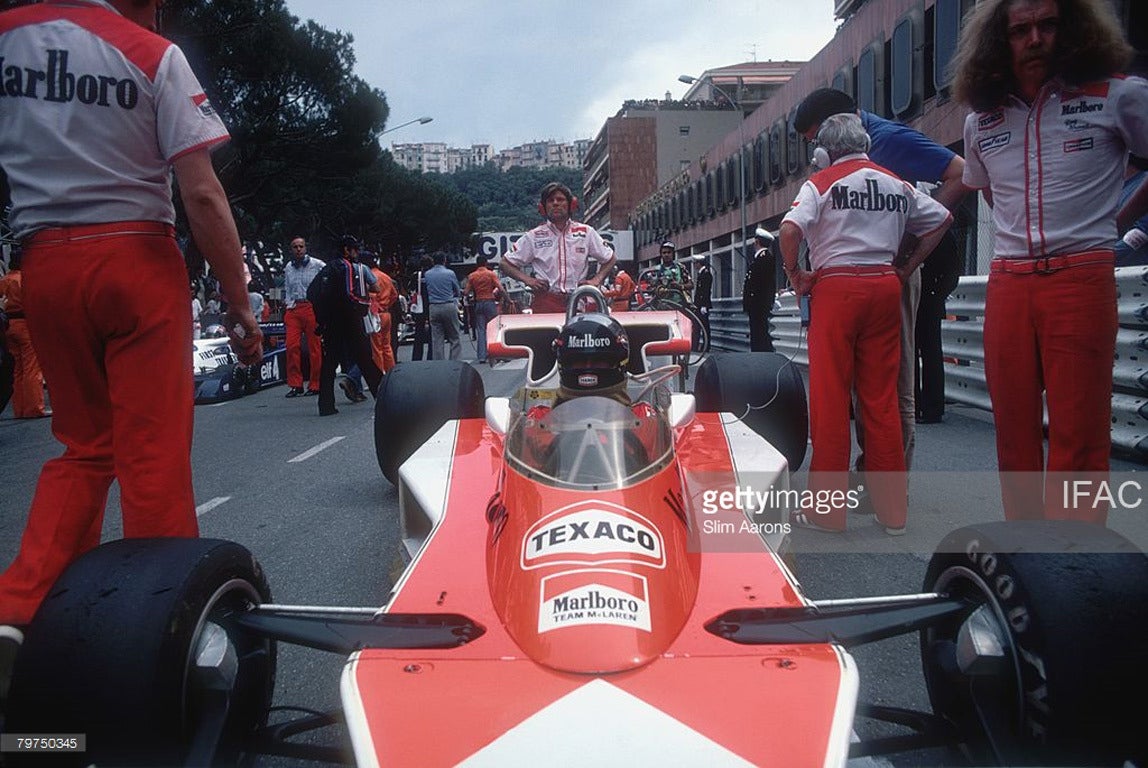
x: 590, y: 442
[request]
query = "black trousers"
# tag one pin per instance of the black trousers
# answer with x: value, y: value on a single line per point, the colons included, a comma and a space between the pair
x: 345, y: 339
x: 422, y: 338
x: 759, y: 339
x: 930, y: 379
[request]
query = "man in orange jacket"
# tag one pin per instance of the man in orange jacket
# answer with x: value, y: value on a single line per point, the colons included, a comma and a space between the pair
x: 28, y: 381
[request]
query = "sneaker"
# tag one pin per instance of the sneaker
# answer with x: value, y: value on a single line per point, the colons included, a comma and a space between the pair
x: 895, y: 531
x: 802, y: 520
x: 11, y: 639
x: 310, y: 393
x: 294, y: 392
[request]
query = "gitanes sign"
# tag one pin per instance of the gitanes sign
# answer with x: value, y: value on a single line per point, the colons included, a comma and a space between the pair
x: 493, y: 244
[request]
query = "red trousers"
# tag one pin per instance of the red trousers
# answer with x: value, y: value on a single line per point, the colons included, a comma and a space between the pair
x: 1055, y: 334
x: 299, y: 320
x: 28, y: 380
x: 855, y: 342
x: 381, y: 344
x: 109, y: 315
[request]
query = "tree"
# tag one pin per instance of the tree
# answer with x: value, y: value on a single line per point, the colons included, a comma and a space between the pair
x: 302, y: 123
x: 508, y: 202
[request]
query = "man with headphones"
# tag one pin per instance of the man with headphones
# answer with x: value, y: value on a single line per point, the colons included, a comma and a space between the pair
x: 558, y: 251
x: 913, y: 157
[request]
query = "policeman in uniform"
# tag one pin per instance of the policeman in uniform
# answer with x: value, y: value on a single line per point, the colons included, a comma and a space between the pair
x: 759, y: 292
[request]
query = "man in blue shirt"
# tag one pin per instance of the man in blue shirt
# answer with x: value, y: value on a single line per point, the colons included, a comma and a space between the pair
x: 443, y: 293
x: 915, y: 158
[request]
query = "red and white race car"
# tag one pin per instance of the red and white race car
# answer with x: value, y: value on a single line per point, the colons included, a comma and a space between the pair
x: 580, y: 593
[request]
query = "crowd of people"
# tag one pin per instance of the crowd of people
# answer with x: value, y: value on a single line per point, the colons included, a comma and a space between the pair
x: 1054, y: 182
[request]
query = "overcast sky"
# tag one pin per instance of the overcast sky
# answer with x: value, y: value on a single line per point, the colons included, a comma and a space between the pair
x: 505, y: 72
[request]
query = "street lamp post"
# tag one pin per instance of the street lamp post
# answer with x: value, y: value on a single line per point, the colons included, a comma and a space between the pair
x: 420, y: 120
x: 690, y: 80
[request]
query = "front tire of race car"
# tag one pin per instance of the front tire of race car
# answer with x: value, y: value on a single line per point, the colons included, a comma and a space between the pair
x: 1045, y: 665
x: 415, y: 400
x: 133, y: 648
x: 763, y: 388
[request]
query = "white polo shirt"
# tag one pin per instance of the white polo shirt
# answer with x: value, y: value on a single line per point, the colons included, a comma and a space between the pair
x: 854, y: 213
x: 1055, y: 169
x: 559, y: 257
x: 93, y: 110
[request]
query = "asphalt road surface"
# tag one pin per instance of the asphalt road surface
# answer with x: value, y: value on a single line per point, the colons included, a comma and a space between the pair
x: 305, y: 494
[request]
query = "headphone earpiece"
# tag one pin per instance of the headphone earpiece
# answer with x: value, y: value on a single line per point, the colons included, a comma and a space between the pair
x: 820, y: 158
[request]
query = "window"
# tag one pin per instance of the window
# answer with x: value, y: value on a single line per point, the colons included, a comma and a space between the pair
x: 775, y: 150
x: 901, y: 88
x: 719, y: 186
x: 870, y: 76
x: 947, y: 29
x: 709, y: 187
x: 733, y: 177
x: 758, y: 165
x: 792, y: 149
x: 843, y: 79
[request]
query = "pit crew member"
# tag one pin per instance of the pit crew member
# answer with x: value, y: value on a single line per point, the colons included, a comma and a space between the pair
x: 1047, y: 144
x: 559, y: 252
x: 856, y: 216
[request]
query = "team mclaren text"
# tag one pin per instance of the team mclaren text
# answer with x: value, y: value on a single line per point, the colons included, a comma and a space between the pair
x: 871, y: 199
x: 56, y: 83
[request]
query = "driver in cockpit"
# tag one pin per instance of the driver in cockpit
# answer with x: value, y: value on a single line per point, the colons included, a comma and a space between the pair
x: 592, y: 351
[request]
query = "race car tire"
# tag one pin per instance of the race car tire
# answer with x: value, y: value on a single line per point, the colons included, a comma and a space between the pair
x: 763, y: 388
x: 111, y: 654
x: 415, y: 400
x: 1069, y: 603
x: 246, y: 379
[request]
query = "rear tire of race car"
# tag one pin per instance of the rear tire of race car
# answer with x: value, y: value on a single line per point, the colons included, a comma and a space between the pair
x: 111, y: 654
x: 415, y: 400
x: 1068, y: 602
x: 766, y: 390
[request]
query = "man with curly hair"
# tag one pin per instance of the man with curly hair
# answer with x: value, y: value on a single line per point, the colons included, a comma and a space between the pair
x: 1047, y: 143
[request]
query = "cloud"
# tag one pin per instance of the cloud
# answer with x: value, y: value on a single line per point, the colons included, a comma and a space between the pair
x: 504, y: 72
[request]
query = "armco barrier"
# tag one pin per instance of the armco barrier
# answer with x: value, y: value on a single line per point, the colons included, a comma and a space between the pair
x: 963, y: 343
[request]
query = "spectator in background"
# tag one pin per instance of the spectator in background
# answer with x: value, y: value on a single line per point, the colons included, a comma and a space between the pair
x: 558, y: 251
x: 1046, y: 73
x: 621, y: 291
x: 27, y: 379
x: 1132, y: 248
x: 759, y: 291
x: 420, y: 311
x: 105, y: 284
x: 914, y: 157
x: 482, y: 285
x: 860, y: 262
x: 341, y: 324
x: 443, y: 295
x: 196, y: 311
x: 381, y: 302
x: 939, y: 276
x: 299, y: 319
x: 703, y: 292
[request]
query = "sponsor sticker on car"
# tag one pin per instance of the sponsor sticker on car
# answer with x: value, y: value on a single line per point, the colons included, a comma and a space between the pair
x: 580, y: 598
x: 593, y: 532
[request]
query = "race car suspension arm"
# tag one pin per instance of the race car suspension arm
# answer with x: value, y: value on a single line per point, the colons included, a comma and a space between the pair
x: 844, y: 622
x: 346, y: 633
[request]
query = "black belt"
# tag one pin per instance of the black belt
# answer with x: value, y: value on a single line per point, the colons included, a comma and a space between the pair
x: 15, y: 315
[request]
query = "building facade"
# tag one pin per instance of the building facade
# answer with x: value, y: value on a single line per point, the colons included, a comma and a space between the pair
x: 892, y: 57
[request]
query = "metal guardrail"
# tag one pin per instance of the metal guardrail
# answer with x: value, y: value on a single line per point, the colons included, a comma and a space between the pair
x: 963, y: 344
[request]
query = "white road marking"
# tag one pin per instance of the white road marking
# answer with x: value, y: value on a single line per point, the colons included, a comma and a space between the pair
x: 207, y: 506
x: 312, y: 451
